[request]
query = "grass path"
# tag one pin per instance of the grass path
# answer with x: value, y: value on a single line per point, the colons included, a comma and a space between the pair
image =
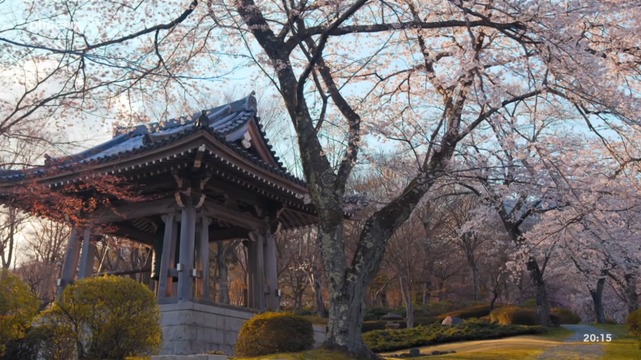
x: 561, y: 343
x: 528, y: 347
x: 576, y: 347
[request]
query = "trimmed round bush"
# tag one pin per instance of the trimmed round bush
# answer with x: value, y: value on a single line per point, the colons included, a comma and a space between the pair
x: 566, y: 316
x: 271, y: 333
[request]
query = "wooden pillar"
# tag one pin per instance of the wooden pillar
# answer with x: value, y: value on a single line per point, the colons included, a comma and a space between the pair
x: 87, y: 256
x: 256, y: 285
x: 202, y: 263
x: 168, y: 256
x: 71, y: 261
x: 272, y: 302
x: 187, y: 244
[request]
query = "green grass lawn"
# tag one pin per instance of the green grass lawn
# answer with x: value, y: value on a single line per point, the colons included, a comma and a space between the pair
x: 624, y: 346
x: 317, y: 354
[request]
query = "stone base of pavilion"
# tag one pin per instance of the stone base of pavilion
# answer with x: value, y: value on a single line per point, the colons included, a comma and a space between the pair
x: 196, y: 327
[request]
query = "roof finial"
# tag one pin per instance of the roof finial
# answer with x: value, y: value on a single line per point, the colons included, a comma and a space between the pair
x: 203, y: 120
x: 251, y: 102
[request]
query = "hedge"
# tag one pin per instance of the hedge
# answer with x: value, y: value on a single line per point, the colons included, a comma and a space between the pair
x: 566, y: 316
x: 391, y: 340
x: 513, y: 315
x: 478, y: 311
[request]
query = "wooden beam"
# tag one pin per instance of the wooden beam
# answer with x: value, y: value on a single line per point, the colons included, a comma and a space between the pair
x: 132, y: 211
x: 87, y: 255
x: 167, y: 256
x: 202, y: 284
x: 231, y: 216
x: 226, y: 234
x: 237, y: 192
x: 71, y: 261
x: 187, y: 244
x: 133, y: 234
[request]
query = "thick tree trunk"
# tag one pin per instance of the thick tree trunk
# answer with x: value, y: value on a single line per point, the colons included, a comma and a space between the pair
x: 223, y: 273
x: 540, y: 290
x: 597, y: 299
x: 346, y: 309
x: 631, y: 292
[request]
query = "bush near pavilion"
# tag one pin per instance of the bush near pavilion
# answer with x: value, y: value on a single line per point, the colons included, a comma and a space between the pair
x: 18, y: 306
x: 271, y: 333
x: 106, y: 317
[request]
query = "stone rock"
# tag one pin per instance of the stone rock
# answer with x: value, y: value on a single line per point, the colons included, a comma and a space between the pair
x: 415, y: 352
x: 452, y: 351
x: 452, y: 320
x: 436, y: 352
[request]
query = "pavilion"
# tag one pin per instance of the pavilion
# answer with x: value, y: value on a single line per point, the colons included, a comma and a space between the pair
x: 208, y: 177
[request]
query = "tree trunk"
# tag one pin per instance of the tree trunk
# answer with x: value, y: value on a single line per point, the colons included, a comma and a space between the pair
x: 427, y: 292
x: 441, y: 291
x: 475, y: 281
x: 383, y: 297
x: 493, y: 301
x: 223, y: 273
x: 542, y: 302
x: 317, y: 287
x: 631, y: 292
x: 597, y: 299
x: 406, y: 292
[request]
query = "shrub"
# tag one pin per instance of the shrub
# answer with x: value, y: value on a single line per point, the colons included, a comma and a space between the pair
x: 512, y: 315
x: 18, y: 306
x: 470, y: 312
x: 25, y: 348
x: 391, y: 340
x: 375, y: 313
x: 530, y: 304
x: 271, y: 333
x: 633, y: 322
x: 106, y: 317
x: 567, y: 316
x: 377, y: 325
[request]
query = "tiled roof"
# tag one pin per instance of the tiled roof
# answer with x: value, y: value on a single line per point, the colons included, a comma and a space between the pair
x: 228, y: 123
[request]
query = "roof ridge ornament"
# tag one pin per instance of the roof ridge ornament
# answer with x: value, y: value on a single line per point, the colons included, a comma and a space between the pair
x: 202, y: 121
x: 251, y: 103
